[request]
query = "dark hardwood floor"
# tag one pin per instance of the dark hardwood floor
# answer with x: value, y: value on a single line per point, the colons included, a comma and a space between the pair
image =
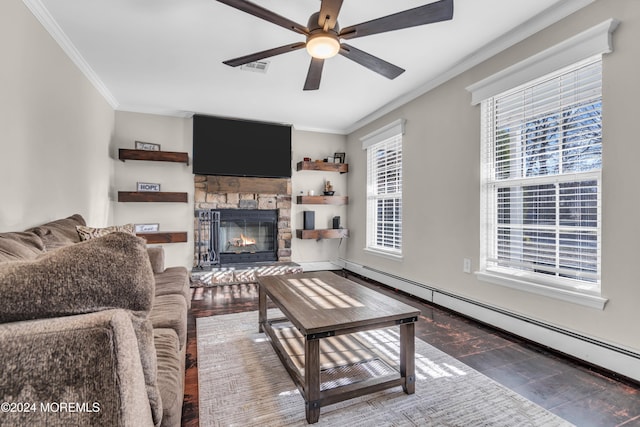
x: 569, y: 389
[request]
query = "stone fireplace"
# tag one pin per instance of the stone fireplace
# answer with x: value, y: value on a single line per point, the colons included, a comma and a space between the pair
x: 251, y: 218
x: 231, y: 236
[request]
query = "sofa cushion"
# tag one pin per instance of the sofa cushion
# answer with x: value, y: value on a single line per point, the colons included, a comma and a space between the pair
x: 170, y: 311
x: 156, y: 256
x: 20, y: 246
x: 174, y: 280
x: 59, y: 233
x: 170, y: 375
x: 90, y: 358
x: 88, y: 233
x: 148, y: 358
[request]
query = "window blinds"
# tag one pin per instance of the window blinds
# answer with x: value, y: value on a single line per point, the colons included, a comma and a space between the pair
x: 384, y: 195
x: 542, y: 156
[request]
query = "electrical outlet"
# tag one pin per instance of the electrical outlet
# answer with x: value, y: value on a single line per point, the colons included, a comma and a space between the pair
x: 466, y: 265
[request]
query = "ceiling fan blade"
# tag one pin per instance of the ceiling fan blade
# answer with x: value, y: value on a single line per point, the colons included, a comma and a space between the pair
x: 264, y: 54
x: 329, y: 13
x: 314, y: 74
x: 266, y: 14
x: 429, y: 13
x: 373, y: 63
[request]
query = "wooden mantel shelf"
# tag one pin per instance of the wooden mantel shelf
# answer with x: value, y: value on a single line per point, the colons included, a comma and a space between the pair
x: 159, y: 156
x: 330, y: 233
x: 323, y: 166
x: 152, y: 196
x: 164, y: 237
x: 322, y: 200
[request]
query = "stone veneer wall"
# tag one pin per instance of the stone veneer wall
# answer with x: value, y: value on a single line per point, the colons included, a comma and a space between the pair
x: 249, y: 193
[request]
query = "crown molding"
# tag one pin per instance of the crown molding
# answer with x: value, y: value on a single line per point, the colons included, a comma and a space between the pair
x: 44, y: 17
x: 183, y: 114
x: 532, y: 26
x: 305, y: 128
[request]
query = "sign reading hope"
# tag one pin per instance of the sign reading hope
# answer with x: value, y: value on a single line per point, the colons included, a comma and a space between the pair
x: 147, y: 186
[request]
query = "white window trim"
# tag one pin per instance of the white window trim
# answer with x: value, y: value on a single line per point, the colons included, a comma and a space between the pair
x: 527, y: 284
x: 392, y: 129
x: 594, y: 41
x: 388, y: 131
x: 384, y: 254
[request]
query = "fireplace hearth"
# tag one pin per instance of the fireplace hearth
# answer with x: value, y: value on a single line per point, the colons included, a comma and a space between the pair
x: 233, y: 236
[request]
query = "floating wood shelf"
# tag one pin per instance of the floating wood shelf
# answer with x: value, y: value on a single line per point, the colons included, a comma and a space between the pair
x: 164, y: 237
x: 159, y: 156
x: 246, y: 184
x: 323, y: 166
x: 330, y: 233
x: 152, y: 196
x: 322, y: 200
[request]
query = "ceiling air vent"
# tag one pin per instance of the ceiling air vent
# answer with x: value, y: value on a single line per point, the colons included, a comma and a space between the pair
x: 257, y: 66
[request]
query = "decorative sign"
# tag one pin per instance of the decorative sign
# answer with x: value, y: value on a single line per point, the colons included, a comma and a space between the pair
x: 148, y: 186
x: 147, y: 146
x: 147, y: 228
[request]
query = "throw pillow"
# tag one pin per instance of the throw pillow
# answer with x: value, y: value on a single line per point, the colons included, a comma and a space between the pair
x: 108, y: 272
x: 16, y: 246
x: 59, y: 233
x: 88, y: 233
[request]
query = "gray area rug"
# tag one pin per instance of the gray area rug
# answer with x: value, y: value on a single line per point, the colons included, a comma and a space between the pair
x: 243, y: 383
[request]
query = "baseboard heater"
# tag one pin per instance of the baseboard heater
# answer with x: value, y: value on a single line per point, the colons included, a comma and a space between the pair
x: 614, y: 358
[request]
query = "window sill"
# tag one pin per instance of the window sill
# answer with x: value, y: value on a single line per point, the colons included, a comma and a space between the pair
x: 389, y: 255
x: 587, y: 300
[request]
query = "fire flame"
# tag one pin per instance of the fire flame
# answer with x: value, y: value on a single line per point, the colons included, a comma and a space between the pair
x: 246, y: 241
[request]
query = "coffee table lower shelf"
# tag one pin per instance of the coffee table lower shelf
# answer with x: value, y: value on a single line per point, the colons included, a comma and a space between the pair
x: 295, y: 351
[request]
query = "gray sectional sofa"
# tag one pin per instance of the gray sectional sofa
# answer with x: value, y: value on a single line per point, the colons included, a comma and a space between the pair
x: 91, y: 332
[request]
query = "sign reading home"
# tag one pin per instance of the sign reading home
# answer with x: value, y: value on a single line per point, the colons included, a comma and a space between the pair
x: 148, y: 186
x: 147, y: 146
x: 146, y: 228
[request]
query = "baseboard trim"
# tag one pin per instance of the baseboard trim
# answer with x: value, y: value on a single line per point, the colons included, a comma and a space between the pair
x: 611, y: 357
x: 320, y: 265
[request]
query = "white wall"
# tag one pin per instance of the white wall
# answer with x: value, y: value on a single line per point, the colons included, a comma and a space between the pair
x: 55, y: 130
x: 316, y: 146
x: 441, y: 187
x: 173, y: 134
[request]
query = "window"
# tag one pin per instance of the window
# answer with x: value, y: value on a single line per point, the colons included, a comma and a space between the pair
x: 542, y: 157
x: 384, y: 189
x: 541, y: 154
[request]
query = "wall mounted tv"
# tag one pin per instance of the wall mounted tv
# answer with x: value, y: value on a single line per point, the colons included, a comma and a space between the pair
x: 231, y: 147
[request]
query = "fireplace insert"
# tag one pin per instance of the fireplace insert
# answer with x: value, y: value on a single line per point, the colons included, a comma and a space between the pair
x: 231, y: 236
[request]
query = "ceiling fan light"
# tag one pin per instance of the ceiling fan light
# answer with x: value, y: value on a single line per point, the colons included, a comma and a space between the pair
x: 323, y: 45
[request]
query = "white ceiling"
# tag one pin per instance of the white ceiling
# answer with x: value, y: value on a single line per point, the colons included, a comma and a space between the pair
x: 165, y: 56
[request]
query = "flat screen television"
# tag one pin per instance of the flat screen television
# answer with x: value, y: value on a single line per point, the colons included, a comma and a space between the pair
x: 231, y: 147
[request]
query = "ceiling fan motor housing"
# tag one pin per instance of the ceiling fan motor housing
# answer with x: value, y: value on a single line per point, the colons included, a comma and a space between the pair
x: 314, y: 25
x: 322, y: 43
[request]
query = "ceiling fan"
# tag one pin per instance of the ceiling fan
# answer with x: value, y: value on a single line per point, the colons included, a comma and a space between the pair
x: 323, y: 35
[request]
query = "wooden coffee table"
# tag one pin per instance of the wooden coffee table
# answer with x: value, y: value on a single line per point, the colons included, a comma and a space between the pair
x: 322, y: 305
